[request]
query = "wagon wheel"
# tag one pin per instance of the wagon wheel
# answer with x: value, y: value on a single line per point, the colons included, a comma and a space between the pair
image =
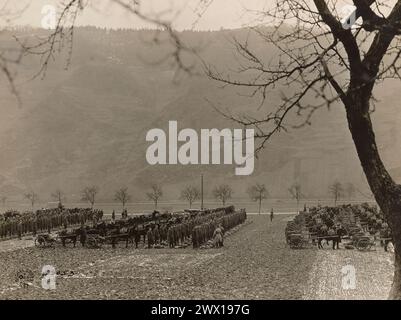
x: 70, y: 240
x: 40, y: 242
x: 288, y: 236
x: 113, y: 240
x: 94, y: 242
x: 299, y: 244
x: 91, y: 242
x: 49, y: 243
x: 364, y: 244
x: 296, y: 242
x: 99, y: 242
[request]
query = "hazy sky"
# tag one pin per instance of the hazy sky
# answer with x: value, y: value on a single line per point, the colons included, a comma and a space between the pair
x: 105, y: 13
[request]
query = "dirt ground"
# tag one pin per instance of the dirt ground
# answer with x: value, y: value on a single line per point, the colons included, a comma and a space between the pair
x: 373, y: 275
x: 254, y: 263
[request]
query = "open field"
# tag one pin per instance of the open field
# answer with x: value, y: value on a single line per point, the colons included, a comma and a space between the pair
x: 255, y: 263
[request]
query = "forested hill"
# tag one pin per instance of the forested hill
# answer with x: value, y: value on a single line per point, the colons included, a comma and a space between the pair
x: 87, y: 125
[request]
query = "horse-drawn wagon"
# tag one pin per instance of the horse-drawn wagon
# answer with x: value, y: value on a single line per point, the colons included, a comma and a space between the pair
x: 45, y: 240
x: 299, y: 240
x: 94, y: 241
x: 66, y: 237
x: 297, y: 237
x: 360, y: 226
x: 361, y: 241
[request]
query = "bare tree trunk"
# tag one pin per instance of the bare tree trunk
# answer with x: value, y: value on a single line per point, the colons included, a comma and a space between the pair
x: 387, y: 193
x: 395, y: 292
x: 260, y: 204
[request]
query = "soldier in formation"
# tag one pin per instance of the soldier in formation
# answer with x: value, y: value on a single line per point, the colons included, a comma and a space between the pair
x: 175, y: 231
x: 150, y: 237
x: 16, y: 224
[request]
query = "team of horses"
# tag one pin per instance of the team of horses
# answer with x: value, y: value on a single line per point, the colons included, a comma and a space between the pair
x: 130, y: 231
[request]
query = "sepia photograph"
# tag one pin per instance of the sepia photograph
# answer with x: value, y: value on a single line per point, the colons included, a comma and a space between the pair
x: 200, y: 150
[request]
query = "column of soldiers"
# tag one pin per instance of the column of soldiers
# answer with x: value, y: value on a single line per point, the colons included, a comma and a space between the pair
x: 198, y: 228
x: 179, y: 233
x: 171, y: 233
x: 13, y: 223
x: 205, y: 231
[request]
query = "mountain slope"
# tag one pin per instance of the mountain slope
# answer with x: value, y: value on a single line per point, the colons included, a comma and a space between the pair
x: 87, y: 125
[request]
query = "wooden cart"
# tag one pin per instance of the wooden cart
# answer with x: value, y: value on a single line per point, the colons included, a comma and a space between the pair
x: 45, y: 240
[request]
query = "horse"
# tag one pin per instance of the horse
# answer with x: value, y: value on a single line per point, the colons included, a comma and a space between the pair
x: 336, y: 238
x: 69, y: 237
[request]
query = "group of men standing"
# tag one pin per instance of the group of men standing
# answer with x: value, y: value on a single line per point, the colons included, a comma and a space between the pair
x: 198, y: 228
x: 14, y: 223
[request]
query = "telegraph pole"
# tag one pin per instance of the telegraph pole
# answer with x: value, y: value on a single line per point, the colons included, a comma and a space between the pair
x: 202, y: 191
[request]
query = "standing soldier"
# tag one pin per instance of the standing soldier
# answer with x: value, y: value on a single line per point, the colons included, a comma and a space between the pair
x: 83, y: 235
x: 137, y: 237
x: 176, y: 233
x: 3, y: 229
x: 49, y: 224
x: 19, y: 228
x: 195, y: 243
x: 182, y: 233
x: 163, y: 233
x: 64, y: 219
x: 150, y: 237
x: 170, y: 235
x: 271, y: 215
x: 157, y: 234
x: 8, y: 228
